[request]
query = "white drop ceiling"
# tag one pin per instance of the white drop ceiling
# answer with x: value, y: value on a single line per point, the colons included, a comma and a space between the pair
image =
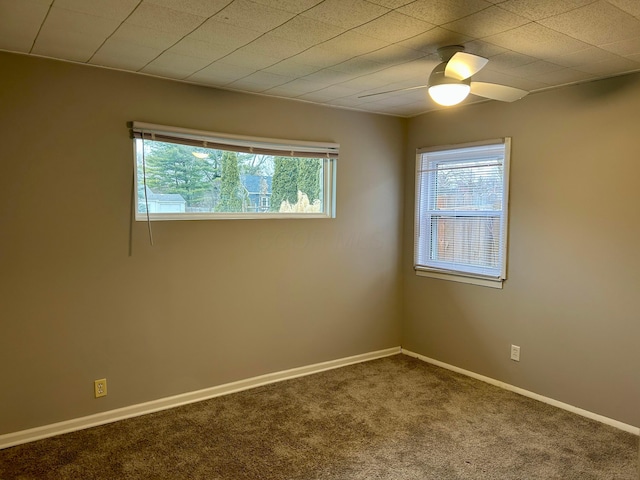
x: 332, y: 51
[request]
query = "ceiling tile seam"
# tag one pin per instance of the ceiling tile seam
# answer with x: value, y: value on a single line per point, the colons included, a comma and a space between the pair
x: 336, y: 36
x: 362, y: 54
x: 35, y: 39
x: 312, y: 46
x: 594, y: 45
x: 206, y: 19
x: 112, y: 33
x: 256, y: 39
x: 624, y: 12
x: 351, y: 79
x: 556, y: 14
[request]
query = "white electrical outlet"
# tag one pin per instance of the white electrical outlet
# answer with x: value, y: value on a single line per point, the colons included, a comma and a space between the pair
x: 100, y: 387
x: 515, y: 353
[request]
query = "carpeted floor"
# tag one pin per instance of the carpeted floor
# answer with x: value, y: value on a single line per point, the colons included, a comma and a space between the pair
x: 395, y: 418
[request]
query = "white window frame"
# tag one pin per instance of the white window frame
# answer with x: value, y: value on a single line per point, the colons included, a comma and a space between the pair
x: 327, y: 151
x: 424, y: 233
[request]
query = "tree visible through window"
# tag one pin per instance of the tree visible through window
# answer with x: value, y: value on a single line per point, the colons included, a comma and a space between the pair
x: 461, y: 206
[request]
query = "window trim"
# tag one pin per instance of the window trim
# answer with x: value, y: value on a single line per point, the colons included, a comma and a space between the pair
x: 451, y: 274
x: 327, y: 151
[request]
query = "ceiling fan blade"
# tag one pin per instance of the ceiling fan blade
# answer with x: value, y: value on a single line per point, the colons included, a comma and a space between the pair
x: 391, y: 91
x: 463, y: 65
x: 497, y: 92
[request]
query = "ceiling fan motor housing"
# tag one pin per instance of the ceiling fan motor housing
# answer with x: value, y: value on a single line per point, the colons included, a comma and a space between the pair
x: 438, y: 77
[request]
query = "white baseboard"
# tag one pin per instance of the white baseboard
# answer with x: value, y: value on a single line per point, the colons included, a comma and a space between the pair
x: 527, y: 393
x: 32, y: 434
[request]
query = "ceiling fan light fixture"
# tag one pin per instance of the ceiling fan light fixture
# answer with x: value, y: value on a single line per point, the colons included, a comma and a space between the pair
x: 448, y: 94
x: 447, y: 91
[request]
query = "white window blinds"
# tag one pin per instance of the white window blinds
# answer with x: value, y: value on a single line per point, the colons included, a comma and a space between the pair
x: 461, y: 209
x: 235, y: 143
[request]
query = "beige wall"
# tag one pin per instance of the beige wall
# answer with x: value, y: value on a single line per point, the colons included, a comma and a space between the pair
x: 572, y: 298
x: 212, y: 301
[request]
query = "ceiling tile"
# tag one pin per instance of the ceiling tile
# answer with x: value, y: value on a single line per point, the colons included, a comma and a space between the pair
x: 358, y: 65
x: 124, y: 55
x: 490, y: 21
x: 144, y: 36
x: 67, y: 45
x: 220, y: 33
x: 114, y: 9
x: 269, y: 45
x: 244, y: 57
x: 293, y: 6
x: 252, y: 16
x: 583, y: 57
x: 262, y: 80
x: 483, y: 48
x: 345, y: 13
x: 391, y: 3
x: 508, y: 60
x: 328, y: 93
x: 320, y: 57
x: 164, y: 19
x: 60, y: 19
x: 20, y: 23
x: 330, y: 77
x: 430, y: 41
x: 632, y: 7
x: 291, y: 68
x: 394, y: 55
x: 200, y: 8
x: 394, y: 27
x: 281, y: 91
x: 220, y: 73
x: 539, y: 9
x: 634, y: 58
x: 623, y: 47
x: 197, y: 48
x: 175, y: 66
x: 598, y: 23
x: 306, y: 31
x: 353, y: 44
x: 302, y: 86
x: 563, y: 76
x: 533, y: 69
x: 439, y: 12
x: 614, y: 65
x: 365, y: 82
x: 537, y: 40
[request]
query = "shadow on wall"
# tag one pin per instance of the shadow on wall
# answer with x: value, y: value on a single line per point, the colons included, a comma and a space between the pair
x: 597, y: 91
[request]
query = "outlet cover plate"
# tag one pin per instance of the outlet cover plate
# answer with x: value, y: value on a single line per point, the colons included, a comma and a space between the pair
x: 100, y: 387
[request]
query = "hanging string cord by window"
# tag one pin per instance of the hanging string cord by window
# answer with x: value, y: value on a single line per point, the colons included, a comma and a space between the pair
x: 144, y: 182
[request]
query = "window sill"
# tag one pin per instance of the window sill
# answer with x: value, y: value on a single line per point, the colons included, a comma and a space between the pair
x: 483, y: 282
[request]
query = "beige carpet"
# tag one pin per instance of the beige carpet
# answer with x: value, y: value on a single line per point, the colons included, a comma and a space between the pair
x: 395, y: 418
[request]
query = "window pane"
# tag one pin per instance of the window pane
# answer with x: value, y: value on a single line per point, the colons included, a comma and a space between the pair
x: 471, y: 241
x: 190, y: 179
x: 468, y: 187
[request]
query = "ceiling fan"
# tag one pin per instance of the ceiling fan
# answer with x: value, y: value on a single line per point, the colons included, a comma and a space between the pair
x: 450, y: 82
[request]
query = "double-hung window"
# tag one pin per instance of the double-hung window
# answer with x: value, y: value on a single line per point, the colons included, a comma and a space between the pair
x: 461, y: 212
x: 184, y: 174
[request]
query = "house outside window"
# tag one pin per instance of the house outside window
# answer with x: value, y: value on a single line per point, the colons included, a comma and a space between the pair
x: 461, y: 212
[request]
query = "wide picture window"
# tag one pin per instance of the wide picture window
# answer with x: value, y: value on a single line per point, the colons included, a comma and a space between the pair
x: 461, y: 212
x: 184, y: 174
